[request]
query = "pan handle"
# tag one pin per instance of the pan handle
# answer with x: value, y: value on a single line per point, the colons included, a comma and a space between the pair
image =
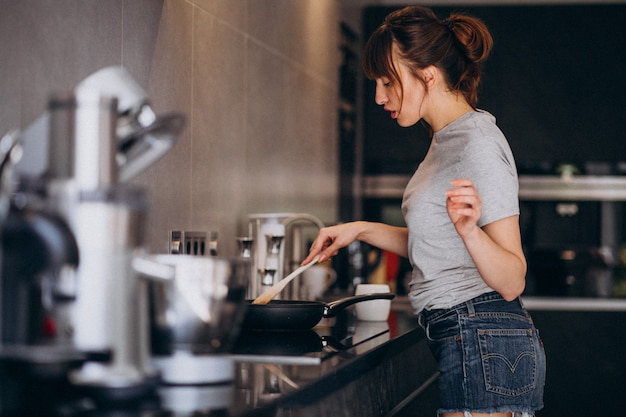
x: 333, y: 308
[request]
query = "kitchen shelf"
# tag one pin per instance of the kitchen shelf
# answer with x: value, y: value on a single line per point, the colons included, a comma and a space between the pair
x: 580, y: 188
x: 574, y: 304
x: 384, y: 186
x: 532, y: 187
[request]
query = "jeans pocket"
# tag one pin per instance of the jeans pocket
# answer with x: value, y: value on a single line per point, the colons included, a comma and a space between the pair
x: 509, y: 360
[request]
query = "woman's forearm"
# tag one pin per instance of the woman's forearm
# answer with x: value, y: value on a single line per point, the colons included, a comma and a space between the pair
x: 498, y: 258
x: 330, y: 239
x: 390, y: 238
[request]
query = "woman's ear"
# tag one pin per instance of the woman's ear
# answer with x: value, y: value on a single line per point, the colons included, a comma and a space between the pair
x: 430, y: 75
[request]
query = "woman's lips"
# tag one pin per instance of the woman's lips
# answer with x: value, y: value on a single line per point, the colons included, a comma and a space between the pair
x: 392, y: 113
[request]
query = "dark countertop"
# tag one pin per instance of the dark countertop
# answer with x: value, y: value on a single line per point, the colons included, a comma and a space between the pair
x: 347, y: 349
x: 283, y: 371
x: 324, y: 371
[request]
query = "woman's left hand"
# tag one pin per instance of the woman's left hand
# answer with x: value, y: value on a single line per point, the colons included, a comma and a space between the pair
x: 464, y: 206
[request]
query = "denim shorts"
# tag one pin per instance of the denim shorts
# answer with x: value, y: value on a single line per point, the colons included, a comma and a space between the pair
x: 490, y: 356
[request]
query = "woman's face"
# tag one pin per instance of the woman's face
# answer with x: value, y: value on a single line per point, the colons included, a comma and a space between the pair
x: 404, y: 103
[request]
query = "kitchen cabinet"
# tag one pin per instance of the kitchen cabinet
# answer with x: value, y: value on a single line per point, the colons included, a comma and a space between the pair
x: 584, y: 341
x: 536, y: 83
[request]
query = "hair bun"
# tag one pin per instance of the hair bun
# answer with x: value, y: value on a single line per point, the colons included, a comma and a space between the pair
x: 472, y: 34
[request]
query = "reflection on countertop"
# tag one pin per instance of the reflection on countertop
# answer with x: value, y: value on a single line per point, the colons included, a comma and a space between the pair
x: 278, y: 369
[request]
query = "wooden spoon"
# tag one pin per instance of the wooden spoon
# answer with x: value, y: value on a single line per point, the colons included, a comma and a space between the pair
x: 267, y: 295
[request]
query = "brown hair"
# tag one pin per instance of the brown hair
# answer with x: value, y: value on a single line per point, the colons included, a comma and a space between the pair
x: 456, y: 45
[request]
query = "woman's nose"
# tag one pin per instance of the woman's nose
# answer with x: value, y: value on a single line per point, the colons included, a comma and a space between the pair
x: 380, y: 98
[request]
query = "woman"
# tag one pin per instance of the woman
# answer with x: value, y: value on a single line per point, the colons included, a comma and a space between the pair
x: 462, y: 215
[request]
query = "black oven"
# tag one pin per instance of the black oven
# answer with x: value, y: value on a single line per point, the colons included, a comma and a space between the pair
x: 573, y: 247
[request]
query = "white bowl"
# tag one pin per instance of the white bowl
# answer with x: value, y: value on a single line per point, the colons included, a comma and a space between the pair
x: 372, y: 310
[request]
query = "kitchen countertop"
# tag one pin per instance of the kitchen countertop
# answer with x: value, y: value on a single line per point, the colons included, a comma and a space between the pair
x: 269, y: 383
x: 299, y: 370
x: 318, y: 371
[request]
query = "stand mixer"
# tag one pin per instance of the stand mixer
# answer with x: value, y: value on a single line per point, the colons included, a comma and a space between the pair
x: 117, y: 135
x: 100, y: 135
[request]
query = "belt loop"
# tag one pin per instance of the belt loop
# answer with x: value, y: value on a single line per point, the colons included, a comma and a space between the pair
x: 421, y: 321
x: 470, y: 308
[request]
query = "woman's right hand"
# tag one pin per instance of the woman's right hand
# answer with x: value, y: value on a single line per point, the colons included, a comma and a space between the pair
x: 330, y: 239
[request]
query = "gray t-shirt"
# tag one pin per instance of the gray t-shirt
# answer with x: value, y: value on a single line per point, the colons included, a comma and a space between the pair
x: 471, y: 147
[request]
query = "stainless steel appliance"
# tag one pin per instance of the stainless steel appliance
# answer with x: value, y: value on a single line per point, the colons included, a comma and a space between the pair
x: 280, y: 244
x: 196, y: 307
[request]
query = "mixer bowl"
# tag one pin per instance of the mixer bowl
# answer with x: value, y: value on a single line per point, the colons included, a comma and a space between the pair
x: 196, y: 304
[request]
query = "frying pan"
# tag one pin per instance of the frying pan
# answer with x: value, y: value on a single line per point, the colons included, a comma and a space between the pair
x: 294, y: 314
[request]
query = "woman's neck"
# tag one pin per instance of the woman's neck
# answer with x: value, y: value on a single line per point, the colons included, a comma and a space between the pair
x: 445, y: 107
